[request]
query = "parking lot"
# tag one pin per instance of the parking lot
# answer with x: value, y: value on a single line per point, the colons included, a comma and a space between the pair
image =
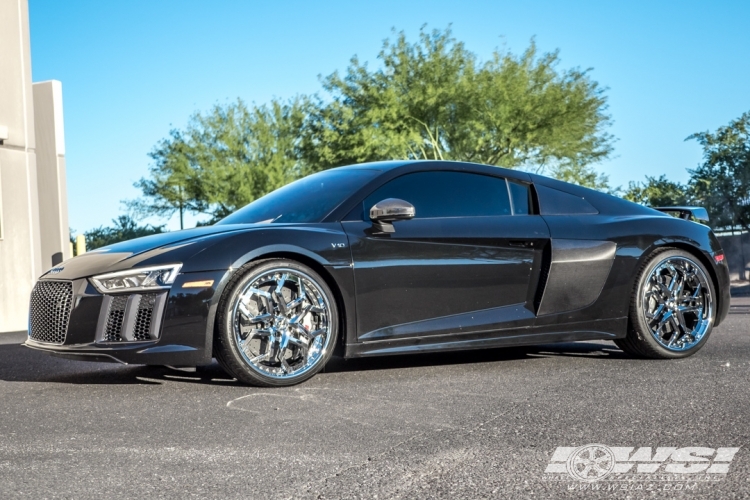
x: 469, y: 425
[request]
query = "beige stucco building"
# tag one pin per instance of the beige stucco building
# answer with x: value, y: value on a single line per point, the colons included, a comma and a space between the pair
x: 33, y: 200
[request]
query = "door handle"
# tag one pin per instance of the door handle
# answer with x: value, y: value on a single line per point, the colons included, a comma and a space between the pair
x: 521, y: 243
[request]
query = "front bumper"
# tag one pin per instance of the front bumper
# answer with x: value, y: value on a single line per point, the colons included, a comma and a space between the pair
x: 176, y: 330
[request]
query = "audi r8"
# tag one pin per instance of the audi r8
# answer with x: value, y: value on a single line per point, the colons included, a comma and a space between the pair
x: 391, y: 258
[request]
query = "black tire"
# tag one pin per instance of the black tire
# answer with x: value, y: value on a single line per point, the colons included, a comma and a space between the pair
x: 230, y: 321
x: 641, y: 340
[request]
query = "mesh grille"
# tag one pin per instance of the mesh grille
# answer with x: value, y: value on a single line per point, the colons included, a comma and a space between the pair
x: 142, y: 327
x: 115, y: 318
x: 137, y: 326
x: 49, y: 312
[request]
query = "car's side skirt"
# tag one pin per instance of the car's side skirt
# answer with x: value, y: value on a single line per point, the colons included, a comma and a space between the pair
x: 606, y: 329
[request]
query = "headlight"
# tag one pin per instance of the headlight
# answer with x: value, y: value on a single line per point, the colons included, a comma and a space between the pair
x: 132, y: 280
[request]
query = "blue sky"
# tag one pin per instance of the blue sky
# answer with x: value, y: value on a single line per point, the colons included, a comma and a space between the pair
x: 132, y: 70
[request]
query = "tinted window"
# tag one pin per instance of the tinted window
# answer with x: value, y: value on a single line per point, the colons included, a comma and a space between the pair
x: 307, y: 200
x: 554, y: 202
x: 446, y: 194
x: 521, y: 195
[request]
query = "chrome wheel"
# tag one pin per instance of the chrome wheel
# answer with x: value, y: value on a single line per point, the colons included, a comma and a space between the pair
x: 282, y: 323
x: 677, y: 303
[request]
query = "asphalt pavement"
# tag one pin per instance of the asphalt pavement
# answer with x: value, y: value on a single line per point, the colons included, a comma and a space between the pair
x: 483, y: 424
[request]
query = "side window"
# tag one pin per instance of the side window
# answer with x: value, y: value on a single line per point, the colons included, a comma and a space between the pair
x: 446, y: 194
x: 521, y: 195
x: 554, y: 202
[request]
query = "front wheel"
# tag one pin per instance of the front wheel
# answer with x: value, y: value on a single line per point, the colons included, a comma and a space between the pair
x: 672, y: 308
x: 277, y: 324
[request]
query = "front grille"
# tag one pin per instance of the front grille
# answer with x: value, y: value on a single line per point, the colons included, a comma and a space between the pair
x: 132, y: 317
x: 49, y: 311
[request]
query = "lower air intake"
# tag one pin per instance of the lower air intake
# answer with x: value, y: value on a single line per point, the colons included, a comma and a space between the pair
x: 115, y: 318
x: 131, y: 318
x: 144, y: 318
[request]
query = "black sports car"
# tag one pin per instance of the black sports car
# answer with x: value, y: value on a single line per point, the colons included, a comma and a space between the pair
x: 391, y: 258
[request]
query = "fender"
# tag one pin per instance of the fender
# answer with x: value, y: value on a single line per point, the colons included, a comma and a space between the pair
x: 271, y: 249
x: 333, y: 255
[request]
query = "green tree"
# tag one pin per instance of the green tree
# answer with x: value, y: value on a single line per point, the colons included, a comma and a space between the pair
x: 722, y: 182
x: 224, y: 159
x: 432, y: 99
x: 583, y: 175
x: 658, y: 192
x: 123, y: 228
x: 168, y: 190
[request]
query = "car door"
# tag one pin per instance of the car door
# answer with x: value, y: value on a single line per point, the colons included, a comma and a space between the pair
x: 464, y: 263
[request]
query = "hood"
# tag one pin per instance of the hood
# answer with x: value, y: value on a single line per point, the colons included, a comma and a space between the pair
x: 163, y: 248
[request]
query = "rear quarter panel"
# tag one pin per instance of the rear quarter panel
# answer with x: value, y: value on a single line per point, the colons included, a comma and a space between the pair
x: 636, y: 237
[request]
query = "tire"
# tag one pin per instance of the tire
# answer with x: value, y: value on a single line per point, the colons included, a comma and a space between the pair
x: 672, y: 307
x: 277, y: 324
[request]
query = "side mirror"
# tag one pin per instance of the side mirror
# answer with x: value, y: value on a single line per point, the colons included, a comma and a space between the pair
x: 385, y: 212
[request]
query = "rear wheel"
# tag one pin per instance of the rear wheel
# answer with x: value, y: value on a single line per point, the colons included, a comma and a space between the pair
x: 672, y: 307
x: 277, y: 324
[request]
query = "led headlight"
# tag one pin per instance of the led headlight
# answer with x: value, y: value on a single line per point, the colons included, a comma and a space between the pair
x: 141, y: 279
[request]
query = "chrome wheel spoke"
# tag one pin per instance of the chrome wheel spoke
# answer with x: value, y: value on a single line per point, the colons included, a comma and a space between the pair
x: 673, y: 338
x: 280, y: 353
x: 260, y: 318
x: 245, y: 311
x: 260, y: 358
x: 283, y: 345
x: 664, y: 319
x: 680, y: 320
x: 279, y: 302
x: 657, y: 312
x: 301, y: 316
x: 689, y: 309
x: 262, y: 299
x: 316, y: 333
x: 297, y: 342
x: 319, y: 307
x: 285, y: 366
x: 299, y: 328
x: 680, y: 286
x: 260, y: 293
x: 280, y: 283
x: 663, y: 289
x: 296, y: 302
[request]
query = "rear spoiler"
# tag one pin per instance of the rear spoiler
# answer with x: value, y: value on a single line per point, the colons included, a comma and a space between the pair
x: 700, y: 214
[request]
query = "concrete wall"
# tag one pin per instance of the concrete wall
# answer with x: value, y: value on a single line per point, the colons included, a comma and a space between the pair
x: 20, y: 242
x: 50, y: 165
x: 737, y: 252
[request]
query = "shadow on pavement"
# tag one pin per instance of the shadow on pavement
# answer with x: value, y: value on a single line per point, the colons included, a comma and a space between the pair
x: 20, y: 364
x: 740, y: 289
x: 578, y: 349
x: 740, y: 305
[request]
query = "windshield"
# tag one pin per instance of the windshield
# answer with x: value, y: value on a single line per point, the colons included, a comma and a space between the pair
x: 308, y: 199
